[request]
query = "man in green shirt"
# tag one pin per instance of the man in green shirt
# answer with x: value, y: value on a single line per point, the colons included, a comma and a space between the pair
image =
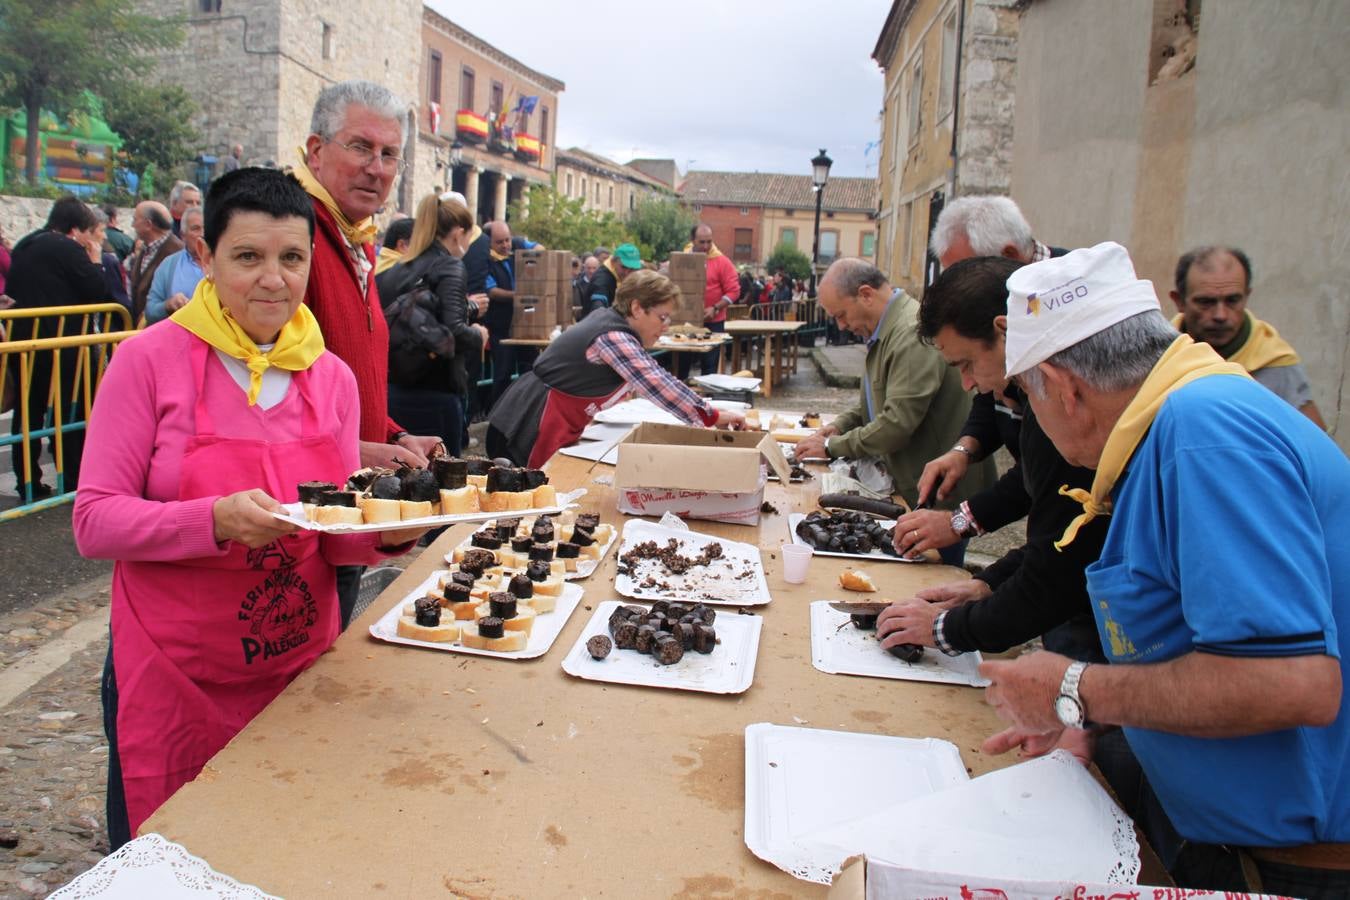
x: 912, y: 406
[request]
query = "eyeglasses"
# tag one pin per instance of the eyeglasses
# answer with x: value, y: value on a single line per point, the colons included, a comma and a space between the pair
x: 388, y: 161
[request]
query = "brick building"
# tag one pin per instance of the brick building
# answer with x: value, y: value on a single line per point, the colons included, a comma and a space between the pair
x: 604, y: 185
x: 751, y: 213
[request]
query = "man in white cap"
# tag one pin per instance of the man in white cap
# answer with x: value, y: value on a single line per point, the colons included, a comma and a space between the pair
x: 1222, y: 605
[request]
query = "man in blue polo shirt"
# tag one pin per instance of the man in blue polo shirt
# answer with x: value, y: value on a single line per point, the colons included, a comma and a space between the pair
x: 1222, y: 603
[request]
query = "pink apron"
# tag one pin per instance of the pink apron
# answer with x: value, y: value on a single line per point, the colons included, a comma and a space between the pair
x: 201, y: 646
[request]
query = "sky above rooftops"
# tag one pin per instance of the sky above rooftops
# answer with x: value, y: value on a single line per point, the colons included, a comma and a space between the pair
x: 733, y: 85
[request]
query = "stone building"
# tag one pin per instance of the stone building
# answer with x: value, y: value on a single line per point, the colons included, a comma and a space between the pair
x: 947, y: 118
x: 665, y: 171
x: 1168, y: 125
x: 751, y: 213
x: 254, y: 67
x: 604, y: 185
x: 466, y: 82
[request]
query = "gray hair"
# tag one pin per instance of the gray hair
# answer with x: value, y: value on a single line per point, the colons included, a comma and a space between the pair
x: 848, y: 275
x: 192, y: 211
x: 1113, y: 359
x: 100, y: 216
x: 330, y: 109
x: 989, y: 223
x: 179, y: 187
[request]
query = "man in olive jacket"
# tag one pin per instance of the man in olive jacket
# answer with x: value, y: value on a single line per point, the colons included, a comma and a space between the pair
x: 912, y: 407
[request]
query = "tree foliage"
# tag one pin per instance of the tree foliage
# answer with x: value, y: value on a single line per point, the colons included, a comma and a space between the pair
x: 154, y: 121
x: 660, y: 226
x: 791, y: 260
x: 52, y: 49
x: 561, y: 223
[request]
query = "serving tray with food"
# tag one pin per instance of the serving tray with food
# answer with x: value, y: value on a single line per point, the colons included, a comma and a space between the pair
x: 578, y: 541
x: 844, y: 642
x: 667, y: 645
x: 846, y: 534
x: 659, y: 563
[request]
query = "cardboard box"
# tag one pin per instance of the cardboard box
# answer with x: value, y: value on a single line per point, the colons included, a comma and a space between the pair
x: 538, y: 277
x: 696, y: 473
x: 566, y: 312
x: 689, y: 271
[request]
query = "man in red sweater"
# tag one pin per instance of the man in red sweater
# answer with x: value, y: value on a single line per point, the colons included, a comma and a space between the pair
x: 349, y: 163
x: 723, y: 289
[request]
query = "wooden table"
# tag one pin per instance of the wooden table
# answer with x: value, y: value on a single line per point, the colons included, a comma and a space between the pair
x: 393, y: 771
x: 525, y: 342
x: 777, y: 336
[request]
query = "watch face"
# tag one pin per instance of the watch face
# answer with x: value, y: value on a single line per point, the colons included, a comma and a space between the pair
x: 960, y: 524
x: 1068, y: 711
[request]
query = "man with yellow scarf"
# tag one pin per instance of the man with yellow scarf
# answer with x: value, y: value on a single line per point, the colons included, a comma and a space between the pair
x: 1221, y: 602
x: 1213, y: 285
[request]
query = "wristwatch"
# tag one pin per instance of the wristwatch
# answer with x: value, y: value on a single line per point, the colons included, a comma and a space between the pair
x: 1069, y: 706
x: 962, y: 448
x: 962, y: 522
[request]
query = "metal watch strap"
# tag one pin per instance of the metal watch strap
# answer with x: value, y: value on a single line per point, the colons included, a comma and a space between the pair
x: 962, y: 448
x: 1069, y: 688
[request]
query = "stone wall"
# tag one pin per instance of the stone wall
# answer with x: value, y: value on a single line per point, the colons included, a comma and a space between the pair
x: 984, y: 140
x: 21, y: 215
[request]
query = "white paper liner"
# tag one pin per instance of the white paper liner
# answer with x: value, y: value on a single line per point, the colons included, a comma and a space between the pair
x: 720, y: 382
x: 714, y: 584
x: 1046, y: 817
x: 795, y: 519
x: 585, y: 565
x: 296, y: 515
x: 151, y: 866
x: 639, y: 410
x: 606, y: 452
x: 547, y: 626
x: 729, y: 669
x: 799, y: 780
x: 838, y: 648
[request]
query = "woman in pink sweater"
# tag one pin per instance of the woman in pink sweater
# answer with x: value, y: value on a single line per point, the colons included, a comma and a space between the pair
x: 203, y: 425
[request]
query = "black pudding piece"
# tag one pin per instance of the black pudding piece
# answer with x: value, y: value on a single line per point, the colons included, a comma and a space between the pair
x: 491, y: 627
x: 541, y: 553
x: 865, y: 621
x: 309, y: 491
x: 506, y: 528
x: 465, y: 578
x: 419, y: 486
x: 706, y: 613
x: 589, y: 521
x: 502, y: 605
x: 386, y: 487
x: 567, y: 550
x: 910, y: 653
x: 660, y: 606
x: 685, y: 632
x: 477, y: 465
x: 476, y: 560
x: 667, y: 649
x: 503, y: 479
x: 451, y: 473
x: 581, y: 537
x: 542, y: 532
x: 598, y: 646
x: 538, y: 570
x: 705, y: 638
x: 521, y: 586
x: 522, y: 544
x: 360, y: 479
x: 335, y: 498
x: 625, y: 635
x: 427, y: 612
x: 488, y: 540
x: 457, y: 593
x: 646, y: 636
x: 533, y: 478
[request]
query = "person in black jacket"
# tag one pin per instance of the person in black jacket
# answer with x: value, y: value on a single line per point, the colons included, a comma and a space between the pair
x: 1032, y: 589
x: 61, y: 265
x: 432, y: 404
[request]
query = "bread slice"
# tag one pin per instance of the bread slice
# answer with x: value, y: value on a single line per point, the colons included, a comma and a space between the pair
x: 457, y: 556
x: 460, y: 501
x: 375, y: 511
x: 493, y: 501
x: 466, y: 611
x: 415, y: 509
x: 855, y: 580
x: 511, y: 640
x: 552, y: 586
x: 519, y: 499
x: 524, y: 620
x: 337, y: 515
x: 477, y: 481
x: 540, y: 603
x: 440, y: 634
x: 544, y: 496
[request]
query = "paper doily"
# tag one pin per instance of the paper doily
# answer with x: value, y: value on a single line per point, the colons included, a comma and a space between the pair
x: 151, y: 866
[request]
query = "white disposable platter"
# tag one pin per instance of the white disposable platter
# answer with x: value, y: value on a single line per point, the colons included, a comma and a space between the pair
x: 838, y: 648
x: 295, y: 514
x: 795, y: 519
x: 729, y: 669
x: 635, y: 412
x: 547, y: 626
x: 719, y: 382
x: 606, y: 452
x: 718, y: 583
x: 585, y: 565
x: 802, y: 780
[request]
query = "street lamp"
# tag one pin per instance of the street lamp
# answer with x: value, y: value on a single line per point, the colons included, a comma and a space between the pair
x: 820, y: 173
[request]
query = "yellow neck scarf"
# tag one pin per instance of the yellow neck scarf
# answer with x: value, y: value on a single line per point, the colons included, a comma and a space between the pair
x: 1184, y: 362
x: 1263, y: 349
x: 298, y: 345
x: 499, y: 257
x: 712, y: 254
x: 387, y: 259
x: 357, y: 233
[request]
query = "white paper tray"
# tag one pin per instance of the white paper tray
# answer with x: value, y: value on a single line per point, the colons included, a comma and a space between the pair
x: 794, y: 519
x: 585, y: 566
x: 729, y: 669
x: 720, y: 382
x: 635, y: 412
x: 606, y: 452
x: 295, y: 514
x: 547, y: 626
x: 800, y: 780
x: 714, y: 584
x: 852, y: 651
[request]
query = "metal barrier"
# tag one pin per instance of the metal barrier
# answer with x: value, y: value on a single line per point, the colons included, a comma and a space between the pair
x: 71, y: 381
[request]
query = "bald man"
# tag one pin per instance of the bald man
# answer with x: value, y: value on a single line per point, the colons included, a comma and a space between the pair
x: 154, y: 231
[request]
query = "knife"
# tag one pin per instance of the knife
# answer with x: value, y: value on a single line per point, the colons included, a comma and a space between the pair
x: 860, y: 607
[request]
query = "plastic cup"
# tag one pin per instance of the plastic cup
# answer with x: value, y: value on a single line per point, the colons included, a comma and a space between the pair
x: 796, y: 557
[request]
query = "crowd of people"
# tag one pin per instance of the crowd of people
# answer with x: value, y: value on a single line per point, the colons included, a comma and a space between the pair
x: 1182, y: 498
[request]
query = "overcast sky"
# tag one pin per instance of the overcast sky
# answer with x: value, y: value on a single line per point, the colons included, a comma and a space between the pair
x: 738, y: 85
